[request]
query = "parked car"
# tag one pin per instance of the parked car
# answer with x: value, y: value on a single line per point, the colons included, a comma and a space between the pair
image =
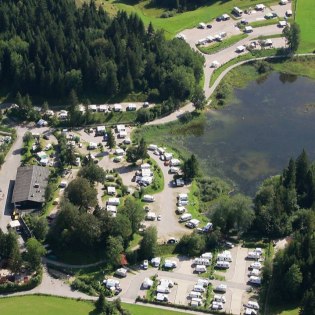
x: 209, y: 26
x: 172, y: 240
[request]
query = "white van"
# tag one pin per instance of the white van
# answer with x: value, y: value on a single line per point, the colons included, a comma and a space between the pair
x: 185, y: 217
x: 195, y: 295
x: 148, y: 198
x: 200, y: 268
x: 199, y: 288
x: 222, y: 264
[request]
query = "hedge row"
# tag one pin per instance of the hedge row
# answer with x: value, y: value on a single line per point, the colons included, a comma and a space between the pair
x: 182, y: 307
x: 13, y: 287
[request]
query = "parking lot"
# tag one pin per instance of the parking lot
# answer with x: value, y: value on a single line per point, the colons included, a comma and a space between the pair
x: 184, y: 278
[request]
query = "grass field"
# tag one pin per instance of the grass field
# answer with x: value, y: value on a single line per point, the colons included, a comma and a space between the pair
x: 217, y: 46
x: 305, y: 17
x: 48, y: 305
x: 179, y: 22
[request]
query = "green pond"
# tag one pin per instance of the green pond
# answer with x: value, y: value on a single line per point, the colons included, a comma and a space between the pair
x: 254, y: 137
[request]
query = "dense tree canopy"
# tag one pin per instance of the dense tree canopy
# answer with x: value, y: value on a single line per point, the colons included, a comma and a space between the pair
x: 50, y: 48
x: 279, y: 198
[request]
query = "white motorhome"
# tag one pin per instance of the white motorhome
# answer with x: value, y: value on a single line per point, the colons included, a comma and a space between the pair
x: 237, y: 11
x: 200, y: 268
x: 253, y: 304
x: 220, y: 288
x: 225, y: 256
x: 155, y: 262
x: 181, y: 210
x: 113, y: 202
x: 121, y: 272
x: 185, y: 217
x: 203, y: 282
x: 150, y: 216
x: 194, y: 295
x: 162, y: 297
x: 253, y: 255
x: 202, y: 261
x: 219, y: 298
x: 152, y: 147
x: 199, y: 288
x: 148, y: 198
x: 254, y: 280
x: 162, y: 289
x: 222, y: 264
x: 182, y: 197
x: 166, y: 283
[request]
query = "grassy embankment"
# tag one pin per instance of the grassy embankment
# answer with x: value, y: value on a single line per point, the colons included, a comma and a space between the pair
x: 179, y: 22
x: 305, y: 17
x: 49, y: 305
x: 217, y: 46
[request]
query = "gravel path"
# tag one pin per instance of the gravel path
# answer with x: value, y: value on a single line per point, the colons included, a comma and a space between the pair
x: 165, y: 205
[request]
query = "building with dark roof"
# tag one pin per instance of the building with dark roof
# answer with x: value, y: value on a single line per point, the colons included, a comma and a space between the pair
x: 30, y: 186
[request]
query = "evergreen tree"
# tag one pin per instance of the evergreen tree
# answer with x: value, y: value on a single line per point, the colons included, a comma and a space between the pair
x: 111, y: 142
x: 289, y: 175
x: 302, y: 167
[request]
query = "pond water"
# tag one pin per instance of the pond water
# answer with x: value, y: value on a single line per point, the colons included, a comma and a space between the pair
x: 255, y: 136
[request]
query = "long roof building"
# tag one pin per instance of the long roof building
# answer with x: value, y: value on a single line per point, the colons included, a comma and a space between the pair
x: 30, y: 186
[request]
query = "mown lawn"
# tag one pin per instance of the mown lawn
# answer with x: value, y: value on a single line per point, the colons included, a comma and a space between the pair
x: 305, y: 17
x: 49, y: 305
x: 179, y: 22
x: 43, y: 305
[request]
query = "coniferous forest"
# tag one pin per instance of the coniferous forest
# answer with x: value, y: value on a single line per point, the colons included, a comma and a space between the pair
x: 48, y: 48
